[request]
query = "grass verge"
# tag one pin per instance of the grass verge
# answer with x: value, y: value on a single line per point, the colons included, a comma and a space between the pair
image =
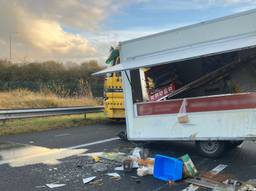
x: 22, y: 98
x: 47, y: 123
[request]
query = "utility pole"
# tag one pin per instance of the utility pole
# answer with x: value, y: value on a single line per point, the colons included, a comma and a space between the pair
x: 10, y: 39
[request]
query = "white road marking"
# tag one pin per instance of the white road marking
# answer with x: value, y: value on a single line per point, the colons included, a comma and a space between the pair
x: 62, y: 135
x: 94, y: 143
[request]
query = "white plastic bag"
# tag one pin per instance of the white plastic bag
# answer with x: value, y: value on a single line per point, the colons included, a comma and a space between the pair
x: 135, y: 157
x: 145, y: 170
x: 182, y: 115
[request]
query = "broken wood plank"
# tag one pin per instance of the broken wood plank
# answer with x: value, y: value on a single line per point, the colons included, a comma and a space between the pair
x: 205, y: 183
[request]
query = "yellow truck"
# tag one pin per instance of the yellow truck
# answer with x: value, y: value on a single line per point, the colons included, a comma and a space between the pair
x: 113, y: 89
x: 114, y: 97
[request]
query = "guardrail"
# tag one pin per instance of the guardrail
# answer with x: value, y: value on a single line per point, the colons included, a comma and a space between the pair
x: 30, y: 113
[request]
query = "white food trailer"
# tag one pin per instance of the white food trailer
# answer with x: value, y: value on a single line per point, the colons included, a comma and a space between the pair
x: 206, y: 57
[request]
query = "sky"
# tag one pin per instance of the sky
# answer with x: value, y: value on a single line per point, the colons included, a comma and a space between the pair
x: 81, y: 30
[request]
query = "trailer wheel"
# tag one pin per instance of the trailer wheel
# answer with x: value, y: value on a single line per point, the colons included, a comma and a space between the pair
x: 211, y: 149
x: 123, y: 136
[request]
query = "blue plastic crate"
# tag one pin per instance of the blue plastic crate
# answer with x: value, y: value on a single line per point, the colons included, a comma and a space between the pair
x: 167, y: 168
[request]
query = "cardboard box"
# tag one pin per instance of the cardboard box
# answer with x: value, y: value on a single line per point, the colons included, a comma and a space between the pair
x: 189, y: 169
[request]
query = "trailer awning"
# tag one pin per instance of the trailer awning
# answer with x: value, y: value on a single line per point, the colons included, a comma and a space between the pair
x: 111, y: 69
x: 186, y: 53
x: 228, y: 34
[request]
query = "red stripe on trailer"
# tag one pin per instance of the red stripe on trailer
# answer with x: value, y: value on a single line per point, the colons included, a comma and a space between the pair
x: 202, y: 104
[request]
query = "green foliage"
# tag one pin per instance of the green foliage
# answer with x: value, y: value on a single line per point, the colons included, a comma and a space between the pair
x: 69, y: 79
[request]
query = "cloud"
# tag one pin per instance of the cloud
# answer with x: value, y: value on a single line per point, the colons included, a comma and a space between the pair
x: 72, y: 29
x: 48, y: 36
x: 79, y: 14
x: 50, y: 29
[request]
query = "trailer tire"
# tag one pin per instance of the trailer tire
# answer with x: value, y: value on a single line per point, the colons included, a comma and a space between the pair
x: 211, y: 149
x: 123, y: 136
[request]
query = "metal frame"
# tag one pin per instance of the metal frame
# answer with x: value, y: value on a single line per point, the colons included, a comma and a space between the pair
x: 31, y: 113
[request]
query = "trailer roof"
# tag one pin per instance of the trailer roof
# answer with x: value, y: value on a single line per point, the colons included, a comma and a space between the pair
x: 226, y: 34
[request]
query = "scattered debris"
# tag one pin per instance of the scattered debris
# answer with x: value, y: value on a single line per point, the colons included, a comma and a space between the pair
x: 136, y: 178
x: 218, y: 169
x: 215, y: 186
x: 119, y: 157
x: 234, y: 183
x: 143, y: 171
x: 202, y: 182
x: 89, y: 179
x: 115, y: 156
x: 95, y: 158
x: 189, y: 169
x: 210, y: 179
x: 128, y: 164
x: 136, y: 156
x: 119, y: 168
x: 53, y: 185
x: 224, y: 188
x: 144, y: 154
x: 170, y: 183
x: 249, y: 185
x: 252, y: 182
x: 136, y: 152
x: 162, y: 167
x: 167, y: 168
x: 147, y: 162
x: 99, y: 167
x: 191, y: 187
x: 97, y: 182
x: 114, y: 175
x: 43, y: 186
x: 215, y: 177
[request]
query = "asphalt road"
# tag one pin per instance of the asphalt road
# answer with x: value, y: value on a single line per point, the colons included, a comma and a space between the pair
x: 30, y: 161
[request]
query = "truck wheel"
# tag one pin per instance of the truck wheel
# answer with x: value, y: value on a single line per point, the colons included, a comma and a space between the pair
x: 211, y: 149
x: 234, y: 144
